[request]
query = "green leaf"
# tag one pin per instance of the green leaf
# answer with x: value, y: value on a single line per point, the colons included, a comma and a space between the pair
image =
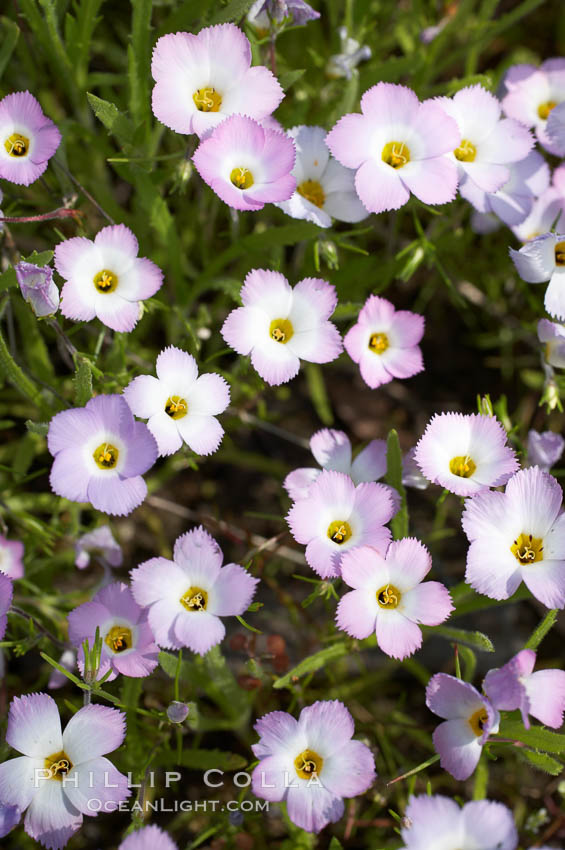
x: 335, y: 844
x: 318, y: 393
x: 542, y: 761
x: 469, y: 661
x: 393, y: 477
x: 477, y: 640
x: 83, y: 382
x: 115, y: 121
x: 9, y: 34
x: 39, y: 428
x: 312, y: 663
x: 139, y: 60
x: 289, y: 78
x: 233, y: 12
x: 541, y: 631
x: 536, y: 737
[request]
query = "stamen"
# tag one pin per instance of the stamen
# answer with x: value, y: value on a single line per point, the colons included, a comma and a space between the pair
x: 176, y: 407
x: 389, y: 596
x: 308, y: 764
x: 241, y: 177
x: 281, y: 330
x: 119, y: 638
x: 207, y: 99
x: 545, y: 108
x: 57, y: 766
x: 527, y: 549
x: 106, y: 456
x: 466, y: 152
x: 478, y: 721
x: 105, y: 281
x: 195, y: 599
x: 463, y: 466
x: 560, y: 254
x: 313, y: 192
x: 396, y: 154
x: 339, y: 531
x: 17, y: 145
x: 378, y: 343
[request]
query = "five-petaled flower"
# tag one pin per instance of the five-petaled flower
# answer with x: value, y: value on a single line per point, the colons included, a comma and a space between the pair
x: 28, y: 139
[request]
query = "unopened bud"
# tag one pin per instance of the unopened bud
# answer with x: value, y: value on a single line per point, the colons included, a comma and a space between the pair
x: 177, y: 712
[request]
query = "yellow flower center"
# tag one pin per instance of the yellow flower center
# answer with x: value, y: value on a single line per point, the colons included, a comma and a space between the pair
x: 545, y: 108
x: 339, y: 531
x: 478, y: 720
x: 463, y: 466
x: 378, y: 343
x: 176, y: 407
x: 119, y: 638
x: 308, y: 764
x: 313, y: 192
x: 466, y: 152
x: 17, y: 145
x: 396, y: 154
x: 560, y: 254
x: 58, y: 765
x: 207, y: 99
x: 389, y: 596
x: 195, y: 599
x: 242, y: 178
x: 527, y: 549
x: 281, y: 330
x: 106, y: 456
x: 105, y: 281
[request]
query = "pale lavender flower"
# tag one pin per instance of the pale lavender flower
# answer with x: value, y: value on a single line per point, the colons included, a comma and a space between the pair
x: 544, y: 449
x: 533, y: 93
x: 67, y: 660
x: 541, y: 694
x: 279, y: 325
x: 128, y: 645
x: 148, y: 838
x: 60, y: 772
x: 177, y: 711
x: 548, y: 210
x: 336, y: 516
x: 187, y: 596
x: 439, y: 823
x: 465, y: 454
x: 9, y: 818
x: 11, y: 557
x: 180, y: 406
x: 98, y: 543
x: 552, y: 335
x: 28, y: 139
x: 540, y: 260
x: 384, y: 342
x: 488, y: 142
x: 6, y: 592
x: 556, y: 129
x: 263, y: 12
x: 213, y: 69
x: 38, y: 288
x: 311, y: 763
x: 469, y: 720
x: 247, y: 165
x: 100, y: 454
x: 390, y: 597
x: 411, y: 472
x: 344, y: 64
x: 516, y: 536
x: 397, y: 146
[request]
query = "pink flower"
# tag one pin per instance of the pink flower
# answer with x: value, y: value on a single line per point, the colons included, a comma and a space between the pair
x: 397, y: 146
x: 105, y: 278
x: 60, y: 772
x: 187, y: 596
x: 488, y: 143
x: 311, y: 763
x: 212, y: 70
x: 100, y: 454
x: 128, y: 645
x: 280, y: 325
x: 28, y: 139
x: 332, y: 450
x: 532, y: 95
x: 11, y: 557
x: 180, y: 406
x: 384, y: 342
x: 247, y: 165
x: 469, y: 720
x: 541, y: 694
x: 516, y: 536
x: 336, y: 516
x: 148, y: 838
x: 389, y: 597
x: 6, y: 592
x: 465, y: 454
x: 438, y: 822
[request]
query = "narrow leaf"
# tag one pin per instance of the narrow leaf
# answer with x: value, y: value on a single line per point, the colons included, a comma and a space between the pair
x: 312, y: 663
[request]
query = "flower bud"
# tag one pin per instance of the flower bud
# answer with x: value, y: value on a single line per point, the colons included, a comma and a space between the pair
x: 177, y: 712
x: 38, y: 288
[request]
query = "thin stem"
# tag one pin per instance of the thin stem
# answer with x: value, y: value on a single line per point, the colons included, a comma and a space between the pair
x: 85, y: 192
x: 40, y: 628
